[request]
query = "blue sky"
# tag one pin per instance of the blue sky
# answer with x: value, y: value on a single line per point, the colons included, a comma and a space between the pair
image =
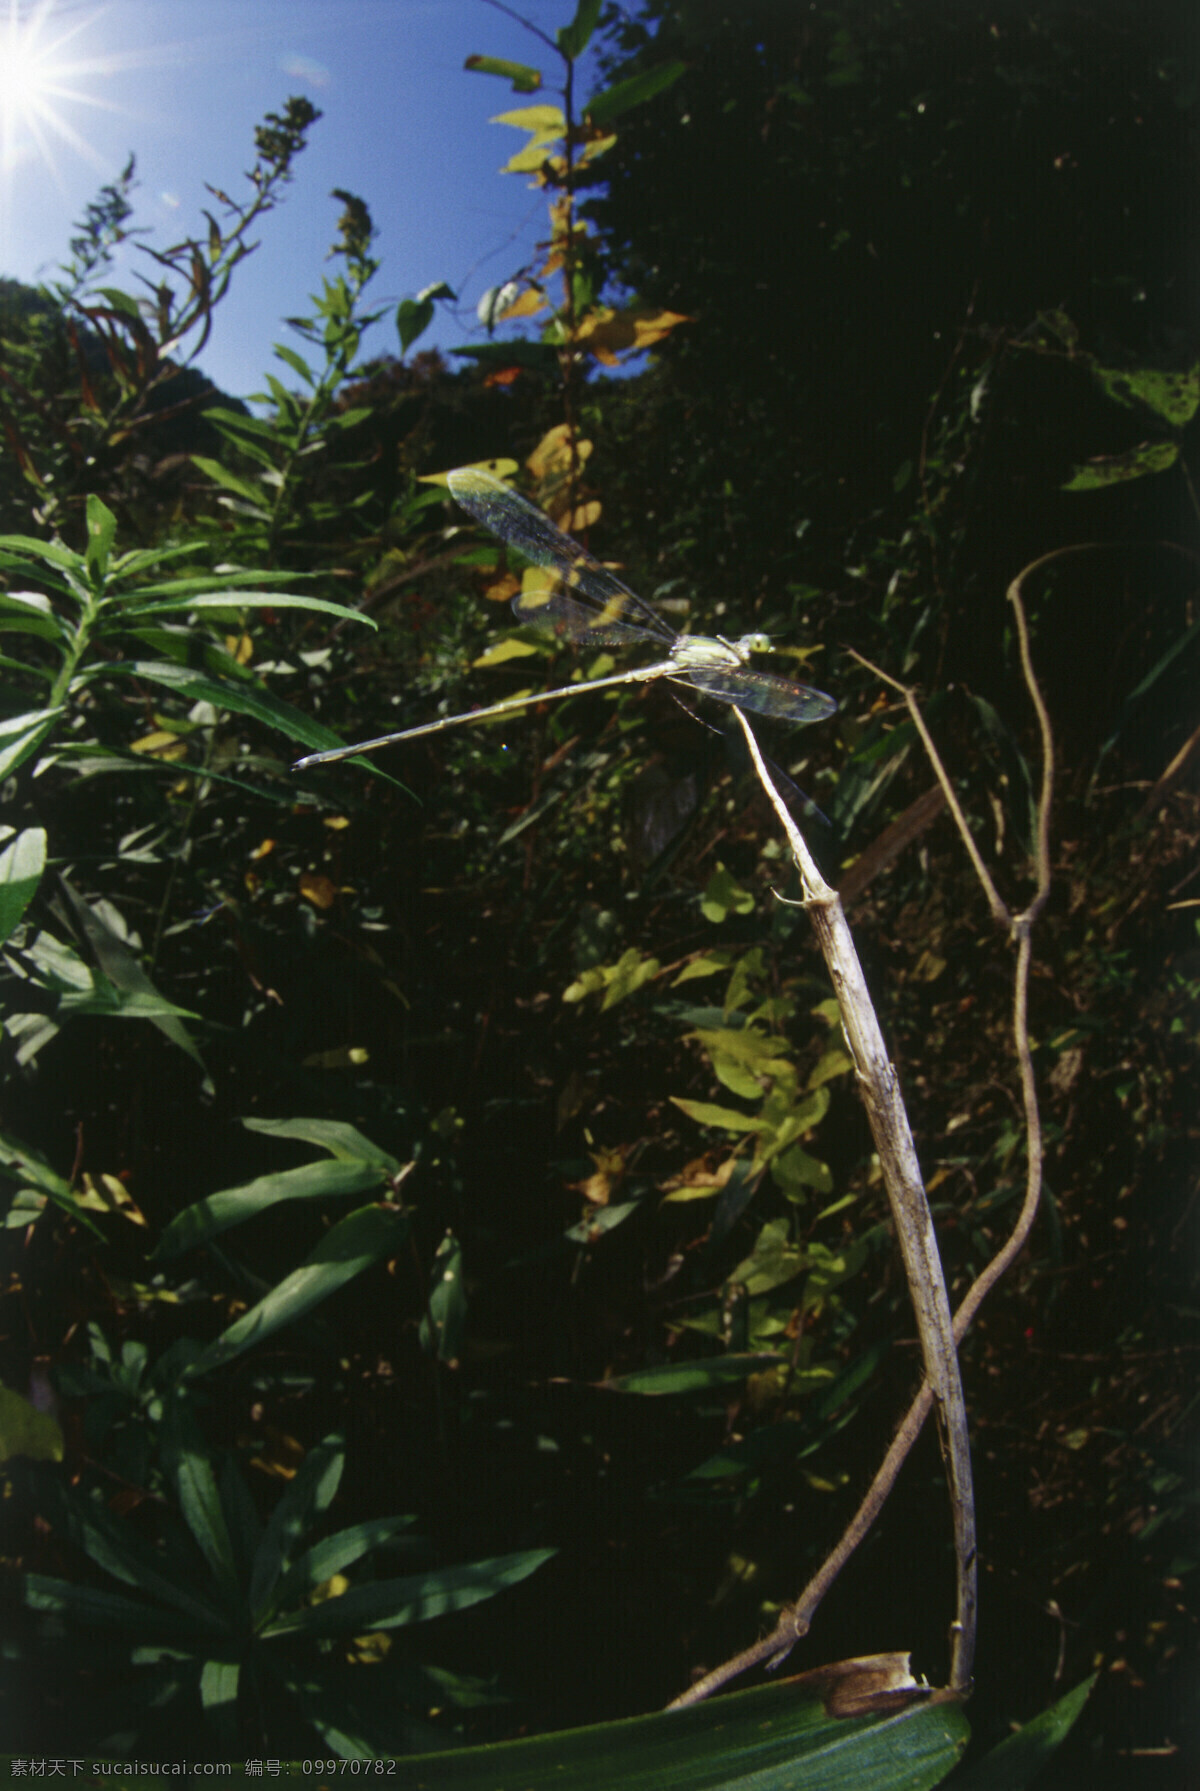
x: 182, y: 83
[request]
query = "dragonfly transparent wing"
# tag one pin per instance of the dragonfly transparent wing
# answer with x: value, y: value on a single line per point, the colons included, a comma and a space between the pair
x: 583, y: 597
x: 762, y: 692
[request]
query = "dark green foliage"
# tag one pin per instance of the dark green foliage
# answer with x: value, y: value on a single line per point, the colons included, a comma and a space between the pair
x: 486, y: 1107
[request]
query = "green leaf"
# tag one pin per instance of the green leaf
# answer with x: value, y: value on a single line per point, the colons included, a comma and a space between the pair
x: 21, y: 735
x: 118, y: 1550
x: 101, y: 533
x: 773, y: 1261
x: 794, y: 1169
x: 1116, y: 469
x: 724, y: 896
x: 707, y: 964
x: 206, y: 1219
x: 218, y: 1700
x: 121, y: 967
x: 524, y: 79
x: 334, y: 1135
x: 53, y: 553
x: 387, y: 1604
x: 691, y: 1377
x: 22, y: 862
x: 326, y: 1558
x: 249, y: 698
x: 413, y: 318
x: 1020, y: 1757
x: 774, y: 1738
x: 729, y: 1120
x: 105, y: 1610
x: 602, y: 107
x: 573, y: 39
x: 26, y: 1431
x: 307, y: 1496
x: 186, y: 1464
x: 344, y: 1252
x: 27, y: 612
x: 446, y: 1314
x: 1173, y: 396
x: 234, y: 599
x: 221, y: 475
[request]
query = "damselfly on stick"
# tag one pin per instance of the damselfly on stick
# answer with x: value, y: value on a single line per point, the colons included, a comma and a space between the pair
x: 585, y: 601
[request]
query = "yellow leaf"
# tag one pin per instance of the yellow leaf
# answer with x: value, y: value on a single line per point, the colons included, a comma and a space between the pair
x: 334, y: 1587
x: 551, y: 459
x: 318, y: 890
x: 160, y: 745
x: 547, y: 122
x: 108, y: 1195
x: 503, y: 590
x: 499, y: 469
x: 607, y: 333
x: 504, y: 650
x: 336, y: 823
x: 262, y: 850
x: 528, y: 304
x: 241, y: 647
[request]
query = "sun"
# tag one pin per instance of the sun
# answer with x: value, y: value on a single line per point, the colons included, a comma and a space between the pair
x: 41, y: 72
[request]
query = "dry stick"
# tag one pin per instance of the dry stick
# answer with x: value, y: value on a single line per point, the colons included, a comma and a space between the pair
x: 795, y: 1620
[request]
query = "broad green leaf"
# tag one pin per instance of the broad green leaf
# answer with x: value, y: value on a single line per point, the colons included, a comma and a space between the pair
x: 101, y: 533
x: 634, y: 92
x: 324, y: 1559
x: 22, y: 861
x: 387, y: 1604
x: 691, y: 1377
x: 833, y: 1061
x: 776, y: 1737
x: 186, y: 1463
x: 773, y: 1261
x: 413, y: 318
x: 573, y: 39
x: 1174, y: 396
x: 307, y: 1496
x: 26, y: 1431
x: 334, y: 1135
x: 705, y: 1114
x: 794, y: 1170
x: 1020, y: 1757
x: 359, y: 1240
x: 724, y: 896
x: 1115, y: 469
x: 524, y: 79
x: 207, y: 1218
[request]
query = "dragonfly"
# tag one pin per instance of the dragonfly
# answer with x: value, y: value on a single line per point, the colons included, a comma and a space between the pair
x: 588, y: 603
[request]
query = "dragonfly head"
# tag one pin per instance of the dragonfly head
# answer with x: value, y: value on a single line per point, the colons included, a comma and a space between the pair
x: 753, y: 643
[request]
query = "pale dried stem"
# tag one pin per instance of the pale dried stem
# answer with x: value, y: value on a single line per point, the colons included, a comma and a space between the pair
x: 795, y: 1620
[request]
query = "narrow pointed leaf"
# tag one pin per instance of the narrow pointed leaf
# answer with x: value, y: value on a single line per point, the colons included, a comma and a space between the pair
x: 206, y: 1219
x: 418, y: 1597
x: 352, y: 1246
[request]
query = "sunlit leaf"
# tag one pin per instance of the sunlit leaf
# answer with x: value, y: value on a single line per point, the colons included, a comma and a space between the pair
x: 22, y: 861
